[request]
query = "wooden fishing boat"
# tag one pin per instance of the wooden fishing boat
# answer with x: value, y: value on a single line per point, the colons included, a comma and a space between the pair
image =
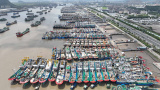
x: 79, y: 72
x: 99, y: 73
x: 85, y: 72
x: 92, y: 72
x: 68, y: 71
x: 47, y: 71
x: 61, y: 73
x: 54, y: 71
x: 39, y: 73
x: 21, y: 69
x: 72, y: 77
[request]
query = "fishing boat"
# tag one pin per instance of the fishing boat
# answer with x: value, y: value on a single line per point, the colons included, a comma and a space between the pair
x: 15, y: 16
x: 8, y: 24
x: 3, y: 19
x: 61, y: 73
x: 112, y: 75
x: 4, y: 29
x: 63, y: 55
x: 54, y: 53
x: 54, y: 71
x: 68, y: 71
x: 58, y: 54
x: 84, y: 55
x: 85, y: 72
x: 105, y: 71
x: 92, y: 72
x: 99, y: 72
x: 42, y: 19
x: 32, y: 71
x: 94, y: 54
x: 73, y: 53
x: 88, y: 52
x: 68, y: 54
x: 47, y: 71
x: 26, y: 70
x: 79, y: 72
x: 72, y: 77
x: 21, y: 69
x: 39, y: 73
x: 25, y: 74
x: 19, y: 34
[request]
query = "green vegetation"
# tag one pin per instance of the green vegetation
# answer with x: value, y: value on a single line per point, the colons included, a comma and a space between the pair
x: 104, y: 8
x: 6, y: 3
x: 101, y: 16
x: 138, y: 16
x: 125, y: 30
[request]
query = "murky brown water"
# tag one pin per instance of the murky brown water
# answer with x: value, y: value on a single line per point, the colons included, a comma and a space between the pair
x: 13, y: 49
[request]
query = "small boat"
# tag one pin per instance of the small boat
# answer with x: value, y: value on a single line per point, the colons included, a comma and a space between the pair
x: 39, y: 73
x: 72, y: 77
x: 73, y: 86
x: 85, y: 72
x: 61, y: 73
x: 4, y: 29
x: 37, y: 23
x: 3, y: 19
x: 94, y: 85
x: 15, y: 13
x: 92, y: 72
x: 79, y: 72
x: 68, y: 71
x: 19, y: 34
x: 54, y: 71
x: 15, y: 16
x: 28, y: 19
x: 42, y: 19
x: 47, y: 71
x: 21, y: 69
x: 86, y: 86
x: 8, y: 24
